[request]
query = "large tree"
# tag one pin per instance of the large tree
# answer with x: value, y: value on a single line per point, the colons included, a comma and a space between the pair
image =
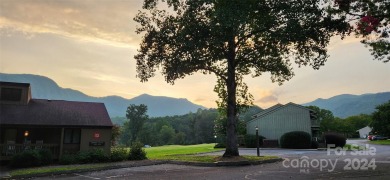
x: 136, y: 114
x: 231, y: 39
x: 369, y: 20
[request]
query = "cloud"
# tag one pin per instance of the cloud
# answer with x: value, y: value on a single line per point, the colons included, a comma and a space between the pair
x: 107, y: 22
x: 268, y: 99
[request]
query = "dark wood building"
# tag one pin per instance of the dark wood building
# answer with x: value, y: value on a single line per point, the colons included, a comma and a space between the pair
x: 58, y: 125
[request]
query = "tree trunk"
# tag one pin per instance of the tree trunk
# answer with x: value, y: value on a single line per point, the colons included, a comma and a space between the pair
x: 231, y: 137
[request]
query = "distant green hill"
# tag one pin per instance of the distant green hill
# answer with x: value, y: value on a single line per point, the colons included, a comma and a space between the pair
x: 45, y: 88
x: 346, y: 105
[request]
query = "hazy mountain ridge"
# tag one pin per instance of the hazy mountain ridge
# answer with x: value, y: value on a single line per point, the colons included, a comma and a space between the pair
x: 45, y: 88
x: 346, y: 105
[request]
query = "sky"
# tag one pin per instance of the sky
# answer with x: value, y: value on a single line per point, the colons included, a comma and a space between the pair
x: 89, y: 46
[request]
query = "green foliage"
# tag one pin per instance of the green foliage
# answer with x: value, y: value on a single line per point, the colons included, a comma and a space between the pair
x: 335, y: 139
x: 118, y: 154
x: 347, y: 126
x: 31, y: 158
x: 28, y: 158
x: 191, y: 128
x: 137, y: 152
x: 46, y: 157
x: 66, y: 159
x: 381, y: 120
x: 115, y: 133
x: 166, y: 134
x: 296, y: 140
x: 136, y: 114
x: 92, y: 156
x: 250, y: 140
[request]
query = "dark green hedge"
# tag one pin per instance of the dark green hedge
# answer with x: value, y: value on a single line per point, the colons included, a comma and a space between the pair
x: 338, y: 140
x: 31, y: 158
x: 296, y: 140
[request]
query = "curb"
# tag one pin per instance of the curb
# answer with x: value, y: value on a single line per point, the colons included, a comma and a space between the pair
x: 146, y: 163
x: 150, y: 163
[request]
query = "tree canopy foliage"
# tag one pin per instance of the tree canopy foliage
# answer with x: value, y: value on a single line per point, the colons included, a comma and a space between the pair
x: 231, y: 39
x: 347, y: 126
x: 369, y: 19
x: 381, y: 119
x: 136, y: 114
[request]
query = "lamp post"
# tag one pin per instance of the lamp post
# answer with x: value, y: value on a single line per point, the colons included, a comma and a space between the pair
x: 257, y: 141
x: 215, y: 139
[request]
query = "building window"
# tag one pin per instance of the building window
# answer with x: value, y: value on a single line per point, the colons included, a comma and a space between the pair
x: 11, y: 94
x: 72, y: 136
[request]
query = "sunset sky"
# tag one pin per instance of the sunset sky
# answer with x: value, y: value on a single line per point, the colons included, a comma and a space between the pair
x: 88, y: 45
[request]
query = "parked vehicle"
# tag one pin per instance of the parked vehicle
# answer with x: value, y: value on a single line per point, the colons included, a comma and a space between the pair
x: 378, y: 137
x: 369, y: 137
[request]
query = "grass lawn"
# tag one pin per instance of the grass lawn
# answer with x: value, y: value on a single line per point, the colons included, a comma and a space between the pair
x: 380, y: 142
x: 164, y: 152
x: 191, y: 153
x: 354, y: 147
x: 52, y: 169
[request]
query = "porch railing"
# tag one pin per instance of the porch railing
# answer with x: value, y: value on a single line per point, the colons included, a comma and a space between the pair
x: 8, y: 150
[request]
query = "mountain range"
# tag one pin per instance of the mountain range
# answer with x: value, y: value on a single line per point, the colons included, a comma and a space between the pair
x: 346, y: 105
x: 44, y: 88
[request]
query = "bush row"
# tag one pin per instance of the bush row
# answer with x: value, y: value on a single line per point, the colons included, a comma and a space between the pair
x: 335, y: 139
x: 302, y: 140
x: 42, y: 157
x: 32, y: 158
x: 296, y: 140
x: 98, y: 155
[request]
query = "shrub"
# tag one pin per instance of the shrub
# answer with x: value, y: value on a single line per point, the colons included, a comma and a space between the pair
x: 92, y: 156
x: 83, y: 157
x: 296, y: 140
x: 118, y: 154
x: 98, y: 155
x: 66, y: 159
x: 28, y: 158
x: 46, y: 156
x: 136, y: 152
x: 250, y: 140
x: 335, y: 138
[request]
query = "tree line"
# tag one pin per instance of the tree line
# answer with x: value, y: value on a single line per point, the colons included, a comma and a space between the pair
x: 208, y: 126
x: 203, y: 126
x: 379, y: 120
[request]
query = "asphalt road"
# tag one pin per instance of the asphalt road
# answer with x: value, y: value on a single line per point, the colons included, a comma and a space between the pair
x: 373, y: 163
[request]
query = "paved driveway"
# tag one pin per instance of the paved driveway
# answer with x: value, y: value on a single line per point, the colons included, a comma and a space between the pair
x: 335, y: 164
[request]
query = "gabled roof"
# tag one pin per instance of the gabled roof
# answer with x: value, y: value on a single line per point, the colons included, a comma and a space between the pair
x: 43, y: 112
x: 275, y: 108
x: 265, y: 111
